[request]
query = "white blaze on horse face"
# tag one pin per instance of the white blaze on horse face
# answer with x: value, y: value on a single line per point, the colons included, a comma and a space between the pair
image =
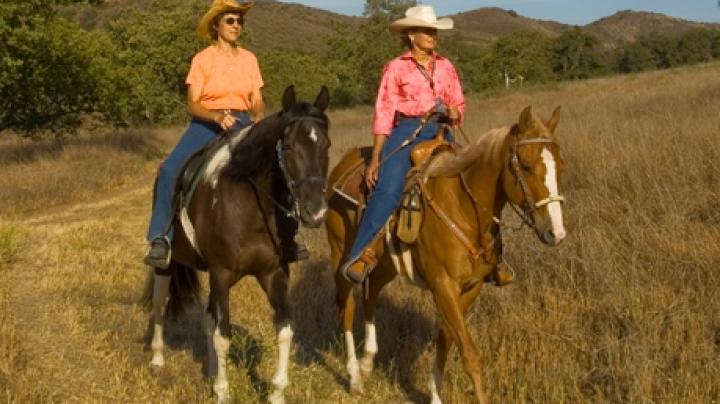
x: 313, y: 135
x: 554, y: 208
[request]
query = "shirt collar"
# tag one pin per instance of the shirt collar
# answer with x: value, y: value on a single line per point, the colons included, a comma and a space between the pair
x: 408, y: 55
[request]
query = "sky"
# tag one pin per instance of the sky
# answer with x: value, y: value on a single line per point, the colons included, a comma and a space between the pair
x: 577, y: 12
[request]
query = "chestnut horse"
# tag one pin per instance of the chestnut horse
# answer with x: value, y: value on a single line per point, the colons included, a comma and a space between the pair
x: 233, y: 213
x: 455, y: 251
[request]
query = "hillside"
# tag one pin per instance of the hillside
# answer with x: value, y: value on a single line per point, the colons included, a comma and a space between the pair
x: 628, y: 26
x: 485, y: 25
x: 295, y: 26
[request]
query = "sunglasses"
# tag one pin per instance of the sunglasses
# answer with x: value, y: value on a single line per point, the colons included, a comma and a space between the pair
x: 232, y: 21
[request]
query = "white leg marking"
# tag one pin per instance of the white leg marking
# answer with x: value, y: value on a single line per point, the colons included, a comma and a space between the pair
x: 280, y: 379
x: 161, y: 288
x: 554, y: 208
x: 371, y: 348
x: 435, y: 383
x: 352, y: 364
x: 222, y: 346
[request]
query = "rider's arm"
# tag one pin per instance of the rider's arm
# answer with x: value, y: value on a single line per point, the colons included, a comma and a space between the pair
x: 371, y: 172
x: 198, y: 111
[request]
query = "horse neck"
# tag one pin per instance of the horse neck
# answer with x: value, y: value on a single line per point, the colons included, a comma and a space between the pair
x: 485, y: 174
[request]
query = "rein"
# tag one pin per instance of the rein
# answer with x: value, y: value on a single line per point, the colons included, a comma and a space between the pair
x: 474, y: 251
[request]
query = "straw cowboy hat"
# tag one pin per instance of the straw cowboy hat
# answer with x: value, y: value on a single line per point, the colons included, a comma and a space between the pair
x: 219, y: 7
x: 421, y: 16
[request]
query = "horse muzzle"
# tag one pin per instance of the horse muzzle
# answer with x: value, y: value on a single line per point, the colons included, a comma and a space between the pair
x: 313, y: 217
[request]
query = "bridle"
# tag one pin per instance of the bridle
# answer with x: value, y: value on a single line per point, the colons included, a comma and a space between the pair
x: 292, y: 183
x: 530, y: 204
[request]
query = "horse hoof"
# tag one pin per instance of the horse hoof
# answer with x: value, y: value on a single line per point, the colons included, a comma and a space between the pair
x: 276, y: 397
x: 157, y: 362
x: 357, y: 389
x: 366, y: 369
x: 222, y: 393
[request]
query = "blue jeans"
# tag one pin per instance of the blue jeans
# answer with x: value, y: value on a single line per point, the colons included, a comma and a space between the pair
x: 391, y: 180
x: 197, y: 136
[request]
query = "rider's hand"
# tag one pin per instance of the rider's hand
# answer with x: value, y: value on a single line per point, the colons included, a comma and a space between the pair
x: 226, y: 121
x: 454, y: 116
x: 371, y: 173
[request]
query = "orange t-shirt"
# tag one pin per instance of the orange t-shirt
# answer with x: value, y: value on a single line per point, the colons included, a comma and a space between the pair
x: 226, y: 80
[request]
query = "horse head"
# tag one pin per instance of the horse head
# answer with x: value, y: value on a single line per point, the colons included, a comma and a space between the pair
x: 531, y: 178
x: 303, y: 154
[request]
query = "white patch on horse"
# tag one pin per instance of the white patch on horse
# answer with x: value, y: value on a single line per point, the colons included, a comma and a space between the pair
x: 554, y: 208
x: 222, y: 157
x: 221, y: 386
x: 189, y: 230
x: 281, y: 380
x: 352, y: 363
x: 402, y: 259
x: 371, y: 348
x: 435, y: 383
x: 313, y: 135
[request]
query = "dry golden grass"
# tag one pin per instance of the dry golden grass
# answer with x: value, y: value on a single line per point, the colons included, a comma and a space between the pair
x: 625, y: 310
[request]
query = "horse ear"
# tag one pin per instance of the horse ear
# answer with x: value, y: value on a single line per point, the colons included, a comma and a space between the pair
x: 527, y: 121
x: 554, y: 119
x: 288, y: 99
x: 323, y: 99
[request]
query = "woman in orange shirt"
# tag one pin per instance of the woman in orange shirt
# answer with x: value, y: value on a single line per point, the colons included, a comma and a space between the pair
x: 224, y: 94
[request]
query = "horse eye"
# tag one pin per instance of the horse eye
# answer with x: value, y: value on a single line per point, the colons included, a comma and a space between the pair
x: 527, y: 168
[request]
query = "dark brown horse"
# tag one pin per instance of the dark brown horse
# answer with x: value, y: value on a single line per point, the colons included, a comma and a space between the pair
x: 229, y: 228
x: 456, y: 248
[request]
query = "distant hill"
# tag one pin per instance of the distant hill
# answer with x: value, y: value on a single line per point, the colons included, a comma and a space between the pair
x: 483, y: 26
x: 290, y: 25
x: 628, y: 26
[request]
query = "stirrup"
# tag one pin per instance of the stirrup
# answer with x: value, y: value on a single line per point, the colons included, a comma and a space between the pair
x: 153, y: 257
x: 356, y: 271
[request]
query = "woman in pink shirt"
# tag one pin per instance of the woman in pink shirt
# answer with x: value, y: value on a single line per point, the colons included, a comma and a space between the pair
x: 411, y: 85
x: 224, y: 95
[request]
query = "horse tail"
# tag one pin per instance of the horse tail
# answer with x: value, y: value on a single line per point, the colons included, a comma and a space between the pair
x: 184, y: 289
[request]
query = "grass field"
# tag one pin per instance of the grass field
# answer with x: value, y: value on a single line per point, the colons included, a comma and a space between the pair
x: 627, y: 309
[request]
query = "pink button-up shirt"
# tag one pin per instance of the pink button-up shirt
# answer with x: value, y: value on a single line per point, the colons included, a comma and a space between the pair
x: 404, y: 89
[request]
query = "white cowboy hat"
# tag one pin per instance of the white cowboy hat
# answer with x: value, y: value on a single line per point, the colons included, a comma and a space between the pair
x: 421, y: 16
x: 217, y: 8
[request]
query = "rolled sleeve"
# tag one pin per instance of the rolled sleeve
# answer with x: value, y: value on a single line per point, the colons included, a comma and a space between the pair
x: 386, y: 102
x: 455, y: 94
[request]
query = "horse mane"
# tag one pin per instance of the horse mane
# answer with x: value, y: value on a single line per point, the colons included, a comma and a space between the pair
x: 256, y: 152
x: 485, y: 146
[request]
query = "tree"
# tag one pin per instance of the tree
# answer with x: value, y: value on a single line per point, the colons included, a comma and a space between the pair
x: 574, y: 55
x: 46, y: 68
x: 357, y: 55
x: 695, y: 46
x: 523, y: 53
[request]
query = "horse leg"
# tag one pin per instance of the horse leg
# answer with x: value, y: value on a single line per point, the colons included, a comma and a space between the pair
x: 379, y: 278
x: 444, y: 343
x: 275, y: 286
x: 219, y: 310
x: 161, y: 289
x: 449, y: 303
x: 346, y: 306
